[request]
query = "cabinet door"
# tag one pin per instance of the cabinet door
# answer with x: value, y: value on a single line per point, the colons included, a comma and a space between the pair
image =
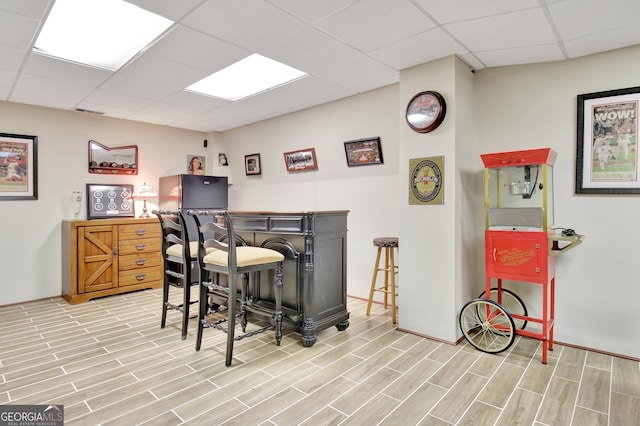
x: 519, y: 256
x: 97, y: 266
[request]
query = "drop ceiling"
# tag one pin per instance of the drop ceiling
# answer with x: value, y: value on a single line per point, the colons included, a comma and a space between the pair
x: 346, y: 46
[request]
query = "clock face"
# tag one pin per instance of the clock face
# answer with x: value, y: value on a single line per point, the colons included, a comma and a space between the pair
x: 426, y: 181
x: 426, y: 111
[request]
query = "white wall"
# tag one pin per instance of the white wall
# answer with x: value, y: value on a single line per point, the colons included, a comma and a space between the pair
x: 30, y: 252
x: 507, y: 109
x: 534, y: 106
x: 369, y: 192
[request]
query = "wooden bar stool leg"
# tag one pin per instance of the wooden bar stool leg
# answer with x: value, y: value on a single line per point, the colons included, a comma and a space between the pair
x: 386, y: 277
x: 393, y: 287
x: 373, y: 280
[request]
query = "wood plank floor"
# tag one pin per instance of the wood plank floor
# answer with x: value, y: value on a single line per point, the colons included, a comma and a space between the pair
x: 109, y: 363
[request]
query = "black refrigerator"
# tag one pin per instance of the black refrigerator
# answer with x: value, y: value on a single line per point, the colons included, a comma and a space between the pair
x: 193, y: 192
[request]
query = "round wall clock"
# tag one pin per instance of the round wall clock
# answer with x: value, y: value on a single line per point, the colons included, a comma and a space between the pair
x: 425, y: 111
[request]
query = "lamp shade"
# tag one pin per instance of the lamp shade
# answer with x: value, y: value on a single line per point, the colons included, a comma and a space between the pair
x: 145, y: 191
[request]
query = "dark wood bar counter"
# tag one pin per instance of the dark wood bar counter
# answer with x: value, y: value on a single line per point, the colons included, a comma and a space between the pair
x: 315, y: 267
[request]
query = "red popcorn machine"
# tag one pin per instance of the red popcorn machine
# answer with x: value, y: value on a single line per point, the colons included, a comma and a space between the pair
x: 521, y: 245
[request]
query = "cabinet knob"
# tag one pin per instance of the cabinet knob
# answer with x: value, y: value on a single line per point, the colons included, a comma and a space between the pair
x: 141, y: 246
x: 141, y: 261
x: 141, y: 231
x: 141, y: 277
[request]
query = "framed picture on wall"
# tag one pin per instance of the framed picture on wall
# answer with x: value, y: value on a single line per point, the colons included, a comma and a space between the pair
x: 363, y: 152
x: 196, y: 164
x: 303, y: 159
x: 18, y: 167
x: 607, y: 146
x: 252, y: 164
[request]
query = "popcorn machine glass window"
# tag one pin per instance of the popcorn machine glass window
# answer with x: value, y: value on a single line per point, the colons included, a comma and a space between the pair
x: 519, y: 190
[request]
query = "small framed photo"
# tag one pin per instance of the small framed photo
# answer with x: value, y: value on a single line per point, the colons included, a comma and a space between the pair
x: 252, y: 165
x: 363, y: 152
x: 303, y: 159
x: 607, y: 148
x: 18, y: 167
x: 196, y: 164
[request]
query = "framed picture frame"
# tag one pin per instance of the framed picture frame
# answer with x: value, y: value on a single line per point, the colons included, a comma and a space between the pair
x: 363, y: 152
x: 106, y: 201
x: 18, y: 167
x: 607, y: 142
x: 252, y: 165
x: 303, y: 159
x: 196, y: 164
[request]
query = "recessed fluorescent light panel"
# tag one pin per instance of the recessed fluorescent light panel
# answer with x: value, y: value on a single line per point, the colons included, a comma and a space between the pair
x: 100, y: 33
x: 253, y: 74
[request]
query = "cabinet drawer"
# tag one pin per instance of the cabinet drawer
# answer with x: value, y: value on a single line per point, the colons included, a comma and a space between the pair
x: 139, y: 231
x: 143, y: 245
x: 139, y: 276
x: 139, y: 261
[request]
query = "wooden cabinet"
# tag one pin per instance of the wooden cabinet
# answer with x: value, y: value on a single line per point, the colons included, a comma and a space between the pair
x: 110, y: 256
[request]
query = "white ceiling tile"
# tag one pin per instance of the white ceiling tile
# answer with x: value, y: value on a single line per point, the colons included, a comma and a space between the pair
x: 418, y: 49
x: 192, y: 102
x: 169, y: 9
x: 358, y: 72
x: 518, y: 29
x: 31, y: 8
x: 309, y: 50
x: 12, y: 57
x: 7, y: 78
x: 250, y: 24
x: 579, y: 18
x: 31, y: 89
x: 196, y: 49
x: 462, y: 10
x: 312, y: 10
x: 164, y: 72
x: 473, y: 61
x: 142, y: 88
x: 622, y: 37
x: 521, y: 55
x: 346, y: 46
x: 371, y: 24
x: 57, y: 70
x: 109, y: 100
x: 17, y: 31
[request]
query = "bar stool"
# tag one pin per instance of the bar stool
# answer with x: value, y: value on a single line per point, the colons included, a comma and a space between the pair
x: 390, y: 269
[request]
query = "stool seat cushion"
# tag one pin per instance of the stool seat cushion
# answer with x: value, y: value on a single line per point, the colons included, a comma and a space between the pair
x: 245, y: 256
x: 176, y: 250
x: 385, y: 242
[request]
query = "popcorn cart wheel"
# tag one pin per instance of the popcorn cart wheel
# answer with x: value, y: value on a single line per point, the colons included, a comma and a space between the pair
x: 511, y: 302
x: 487, y: 326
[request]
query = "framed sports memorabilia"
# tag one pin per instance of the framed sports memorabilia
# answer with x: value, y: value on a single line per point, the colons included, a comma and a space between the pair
x: 106, y: 201
x: 607, y: 160
x: 18, y: 167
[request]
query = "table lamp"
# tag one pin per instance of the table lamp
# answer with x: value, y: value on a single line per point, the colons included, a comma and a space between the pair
x: 145, y: 192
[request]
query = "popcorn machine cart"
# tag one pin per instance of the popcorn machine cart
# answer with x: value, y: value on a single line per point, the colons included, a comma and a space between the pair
x: 520, y: 245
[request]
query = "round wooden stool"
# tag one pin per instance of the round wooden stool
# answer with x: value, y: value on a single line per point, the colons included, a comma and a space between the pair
x: 390, y: 269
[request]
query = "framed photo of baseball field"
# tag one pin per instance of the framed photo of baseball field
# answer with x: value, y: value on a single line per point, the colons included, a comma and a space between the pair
x: 363, y: 152
x: 607, y: 145
x: 18, y: 167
